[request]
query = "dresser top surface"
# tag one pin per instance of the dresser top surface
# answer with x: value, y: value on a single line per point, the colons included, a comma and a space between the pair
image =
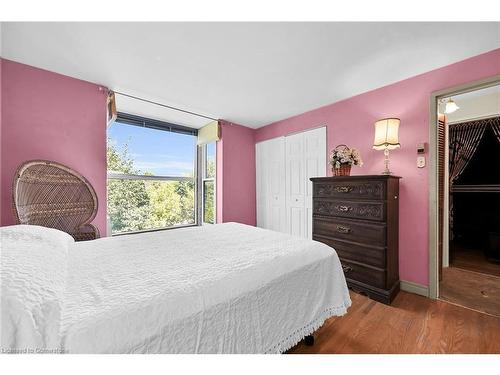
x: 357, y: 177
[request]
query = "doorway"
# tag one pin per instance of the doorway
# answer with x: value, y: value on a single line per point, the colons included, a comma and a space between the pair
x: 468, y: 198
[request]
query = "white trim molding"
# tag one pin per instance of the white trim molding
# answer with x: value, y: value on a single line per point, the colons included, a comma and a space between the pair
x: 433, y: 289
x: 411, y: 287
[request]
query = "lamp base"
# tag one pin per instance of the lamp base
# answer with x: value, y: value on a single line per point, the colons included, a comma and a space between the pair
x: 386, y: 163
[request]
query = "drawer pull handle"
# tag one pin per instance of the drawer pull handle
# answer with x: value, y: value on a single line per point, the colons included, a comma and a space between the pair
x: 343, y: 189
x: 342, y: 229
x: 346, y: 269
x: 343, y: 208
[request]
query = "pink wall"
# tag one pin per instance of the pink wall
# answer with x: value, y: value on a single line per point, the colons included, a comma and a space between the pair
x: 54, y: 117
x: 1, y: 103
x: 219, y: 181
x: 351, y: 122
x: 236, y: 183
x: 49, y: 116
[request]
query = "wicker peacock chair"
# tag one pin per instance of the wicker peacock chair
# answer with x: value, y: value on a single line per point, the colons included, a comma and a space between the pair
x: 52, y: 195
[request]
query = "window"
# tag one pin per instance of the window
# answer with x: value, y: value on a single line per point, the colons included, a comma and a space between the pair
x: 208, y: 182
x: 151, y: 175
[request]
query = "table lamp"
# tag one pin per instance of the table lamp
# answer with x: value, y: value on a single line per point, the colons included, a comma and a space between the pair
x: 386, y: 138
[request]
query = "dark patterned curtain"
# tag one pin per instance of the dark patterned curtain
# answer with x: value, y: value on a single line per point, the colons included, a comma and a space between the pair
x: 495, y: 126
x: 464, y: 140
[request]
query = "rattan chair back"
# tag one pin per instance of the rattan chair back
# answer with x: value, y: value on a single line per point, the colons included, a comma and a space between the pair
x: 53, y: 195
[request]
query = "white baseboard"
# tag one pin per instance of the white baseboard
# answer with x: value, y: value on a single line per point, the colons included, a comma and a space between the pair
x: 414, y: 288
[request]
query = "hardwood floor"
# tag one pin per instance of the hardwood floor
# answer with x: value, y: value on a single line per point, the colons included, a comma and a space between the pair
x: 412, y: 324
x: 472, y: 260
x: 477, y: 291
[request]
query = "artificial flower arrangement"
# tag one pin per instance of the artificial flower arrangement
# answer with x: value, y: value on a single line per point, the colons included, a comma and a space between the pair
x: 342, y: 158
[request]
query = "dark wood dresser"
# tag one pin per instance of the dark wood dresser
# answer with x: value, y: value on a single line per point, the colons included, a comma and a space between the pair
x: 359, y: 217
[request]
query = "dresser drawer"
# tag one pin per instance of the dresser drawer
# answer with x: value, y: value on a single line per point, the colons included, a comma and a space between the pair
x: 350, y: 209
x: 350, y: 189
x: 363, y: 232
x: 373, y: 256
x: 358, y: 217
x: 366, y: 275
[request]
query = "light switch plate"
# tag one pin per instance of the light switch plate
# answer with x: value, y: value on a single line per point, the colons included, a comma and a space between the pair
x: 421, y: 148
x: 421, y: 161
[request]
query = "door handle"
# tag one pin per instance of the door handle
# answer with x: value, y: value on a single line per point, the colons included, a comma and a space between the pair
x: 343, y: 208
x: 342, y: 229
x: 343, y: 189
x: 346, y: 269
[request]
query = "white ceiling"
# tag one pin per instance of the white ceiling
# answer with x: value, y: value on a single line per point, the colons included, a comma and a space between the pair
x: 491, y: 90
x: 476, y: 104
x: 145, y: 109
x: 248, y: 73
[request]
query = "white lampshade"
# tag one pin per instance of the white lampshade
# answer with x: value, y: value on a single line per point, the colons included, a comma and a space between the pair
x: 450, y: 106
x: 386, y: 134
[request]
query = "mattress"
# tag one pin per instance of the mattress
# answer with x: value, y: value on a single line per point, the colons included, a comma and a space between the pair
x: 225, y: 288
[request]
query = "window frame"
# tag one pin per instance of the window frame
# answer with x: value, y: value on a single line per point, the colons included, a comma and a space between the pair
x: 145, y: 122
x: 202, y: 156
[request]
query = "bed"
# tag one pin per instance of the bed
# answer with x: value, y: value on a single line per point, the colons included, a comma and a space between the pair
x: 225, y: 288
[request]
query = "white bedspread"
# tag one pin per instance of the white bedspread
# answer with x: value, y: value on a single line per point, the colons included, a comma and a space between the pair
x: 227, y: 288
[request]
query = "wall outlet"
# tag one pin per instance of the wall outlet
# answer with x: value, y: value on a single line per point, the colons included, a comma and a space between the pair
x: 421, y: 148
x: 421, y: 161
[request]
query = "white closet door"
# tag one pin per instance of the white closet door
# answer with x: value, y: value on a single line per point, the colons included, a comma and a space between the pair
x: 295, y: 185
x: 260, y: 188
x: 276, y: 186
x: 270, y: 169
x: 284, y: 192
x: 315, y: 154
x: 305, y: 158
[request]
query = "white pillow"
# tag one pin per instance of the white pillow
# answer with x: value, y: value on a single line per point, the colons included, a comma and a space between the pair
x: 33, y: 270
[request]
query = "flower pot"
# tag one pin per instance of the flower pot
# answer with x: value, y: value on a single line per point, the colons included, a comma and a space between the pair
x: 344, y: 170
